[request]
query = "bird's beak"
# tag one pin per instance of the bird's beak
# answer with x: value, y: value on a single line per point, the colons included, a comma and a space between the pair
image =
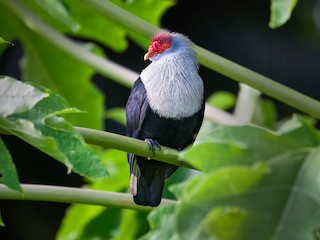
x: 147, y: 55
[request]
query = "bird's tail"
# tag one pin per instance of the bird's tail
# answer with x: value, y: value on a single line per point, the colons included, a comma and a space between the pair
x: 146, y: 181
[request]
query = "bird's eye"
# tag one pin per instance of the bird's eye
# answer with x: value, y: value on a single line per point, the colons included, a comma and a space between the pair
x: 166, y: 45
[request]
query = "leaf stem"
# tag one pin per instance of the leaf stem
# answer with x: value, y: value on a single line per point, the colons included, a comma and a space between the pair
x: 34, y: 192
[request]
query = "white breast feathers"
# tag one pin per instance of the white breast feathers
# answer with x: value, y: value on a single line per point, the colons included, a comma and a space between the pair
x: 174, y: 88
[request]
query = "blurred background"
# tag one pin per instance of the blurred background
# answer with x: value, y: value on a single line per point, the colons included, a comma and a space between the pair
x: 236, y: 30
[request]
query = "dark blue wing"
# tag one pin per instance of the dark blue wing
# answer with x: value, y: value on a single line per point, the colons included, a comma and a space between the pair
x: 136, y: 108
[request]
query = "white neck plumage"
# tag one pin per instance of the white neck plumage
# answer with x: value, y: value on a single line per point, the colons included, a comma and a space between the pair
x: 174, y: 88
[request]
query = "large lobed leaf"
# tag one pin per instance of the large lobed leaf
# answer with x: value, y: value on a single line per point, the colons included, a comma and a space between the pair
x: 35, y: 117
x: 264, y: 185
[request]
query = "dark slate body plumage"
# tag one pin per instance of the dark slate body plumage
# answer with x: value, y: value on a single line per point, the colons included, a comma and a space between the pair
x: 142, y: 123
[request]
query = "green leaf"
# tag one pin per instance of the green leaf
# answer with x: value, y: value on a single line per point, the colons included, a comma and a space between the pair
x: 222, y: 100
x: 1, y: 221
x: 247, y: 144
x: 8, y: 172
x: 94, y: 25
x: 239, y: 201
x: 97, y: 27
x: 4, y: 41
x: 281, y: 12
x: 274, y: 195
x: 59, y: 12
x: 127, y: 222
x: 132, y: 226
x: 117, y: 114
x: 17, y: 97
x: 265, y: 114
x: 55, y: 12
x: 74, y: 17
x: 301, y: 215
x: 210, y: 216
x: 41, y: 127
x: 7, y: 33
x: 162, y: 223
x: 43, y: 64
x: 151, y: 11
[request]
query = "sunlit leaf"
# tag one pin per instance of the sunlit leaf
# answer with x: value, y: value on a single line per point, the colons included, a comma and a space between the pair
x: 17, y: 97
x: 43, y: 64
x: 117, y: 114
x: 76, y: 18
x: 1, y: 221
x: 151, y: 11
x: 59, y: 12
x: 265, y: 114
x: 222, y: 100
x: 41, y: 127
x: 281, y: 11
x: 4, y: 41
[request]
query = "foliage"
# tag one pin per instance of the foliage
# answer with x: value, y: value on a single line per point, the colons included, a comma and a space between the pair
x: 281, y: 12
x: 1, y: 222
x: 92, y: 218
x: 257, y: 182
x: 34, y: 115
x: 222, y: 100
x: 281, y: 164
x: 4, y: 41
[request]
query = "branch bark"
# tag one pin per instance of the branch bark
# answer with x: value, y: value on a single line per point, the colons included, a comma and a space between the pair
x: 132, y: 145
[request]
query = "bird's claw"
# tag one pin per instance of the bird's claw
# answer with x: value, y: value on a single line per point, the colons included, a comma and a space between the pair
x: 153, y: 144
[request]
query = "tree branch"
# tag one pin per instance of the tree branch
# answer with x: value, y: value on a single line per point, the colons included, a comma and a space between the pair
x: 33, y: 192
x: 132, y: 145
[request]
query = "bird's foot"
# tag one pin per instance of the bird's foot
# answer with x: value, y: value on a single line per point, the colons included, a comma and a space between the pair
x: 153, y: 144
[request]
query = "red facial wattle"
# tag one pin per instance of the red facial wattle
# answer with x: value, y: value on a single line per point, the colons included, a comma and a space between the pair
x: 158, y: 45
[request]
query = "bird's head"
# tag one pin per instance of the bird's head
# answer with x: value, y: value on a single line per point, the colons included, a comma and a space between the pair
x: 159, y: 43
x: 166, y: 42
